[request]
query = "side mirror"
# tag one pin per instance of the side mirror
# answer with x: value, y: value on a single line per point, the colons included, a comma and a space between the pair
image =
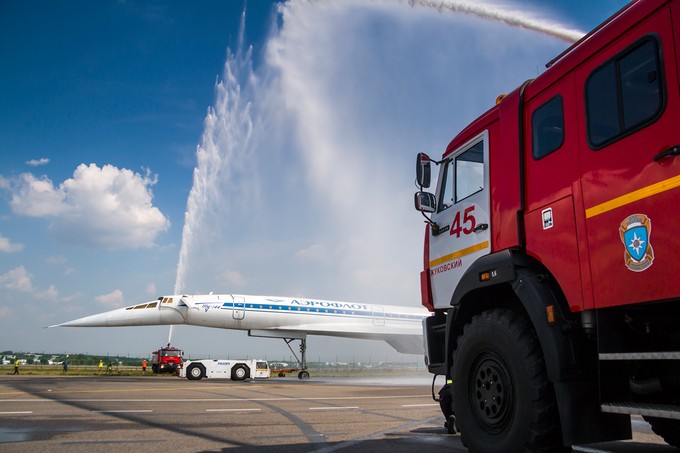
x: 425, y: 202
x: 423, y: 170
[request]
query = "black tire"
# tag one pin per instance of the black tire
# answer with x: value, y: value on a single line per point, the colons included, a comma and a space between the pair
x: 195, y: 372
x: 304, y: 374
x: 239, y: 372
x: 154, y: 368
x: 668, y: 429
x: 502, y: 398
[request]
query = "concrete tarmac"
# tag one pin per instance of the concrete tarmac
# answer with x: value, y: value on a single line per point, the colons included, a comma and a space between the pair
x: 115, y: 413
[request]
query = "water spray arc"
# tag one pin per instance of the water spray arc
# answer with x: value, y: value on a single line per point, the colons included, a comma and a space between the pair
x: 231, y: 145
x: 494, y: 13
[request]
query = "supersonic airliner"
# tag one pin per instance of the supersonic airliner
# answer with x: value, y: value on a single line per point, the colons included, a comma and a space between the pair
x: 274, y: 317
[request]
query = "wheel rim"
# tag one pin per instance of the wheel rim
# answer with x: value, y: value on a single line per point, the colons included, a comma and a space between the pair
x: 491, y: 392
x: 195, y: 372
x: 240, y: 372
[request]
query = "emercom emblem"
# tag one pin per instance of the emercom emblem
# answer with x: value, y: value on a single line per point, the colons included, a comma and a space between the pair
x: 635, y: 232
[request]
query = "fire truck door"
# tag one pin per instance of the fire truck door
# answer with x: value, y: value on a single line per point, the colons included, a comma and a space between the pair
x: 462, y: 217
x: 630, y: 173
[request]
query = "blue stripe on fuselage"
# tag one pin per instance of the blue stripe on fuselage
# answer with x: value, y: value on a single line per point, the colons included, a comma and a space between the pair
x: 320, y: 311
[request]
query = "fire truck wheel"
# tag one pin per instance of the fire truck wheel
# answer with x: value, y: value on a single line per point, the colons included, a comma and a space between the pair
x: 239, y: 373
x: 502, y: 398
x: 666, y: 428
x: 154, y: 368
x: 195, y: 372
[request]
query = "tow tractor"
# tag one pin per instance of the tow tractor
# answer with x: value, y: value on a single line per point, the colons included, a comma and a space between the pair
x: 237, y: 370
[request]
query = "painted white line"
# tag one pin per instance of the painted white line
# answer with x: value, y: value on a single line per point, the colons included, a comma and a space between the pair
x: 231, y: 410
x: 16, y: 413
x: 332, y: 408
x: 189, y: 400
x: 125, y: 411
x: 420, y: 405
x: 589, y: 450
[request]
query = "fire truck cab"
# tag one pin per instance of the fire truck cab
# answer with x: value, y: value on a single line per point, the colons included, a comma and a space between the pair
x: 166, y: 360
x: 551, y: 248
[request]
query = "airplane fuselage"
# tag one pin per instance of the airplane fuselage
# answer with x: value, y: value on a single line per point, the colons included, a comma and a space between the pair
x: 273, y: 316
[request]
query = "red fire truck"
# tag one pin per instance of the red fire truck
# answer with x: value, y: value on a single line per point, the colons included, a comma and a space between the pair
x: 166, y: 360
x: 552, y: 248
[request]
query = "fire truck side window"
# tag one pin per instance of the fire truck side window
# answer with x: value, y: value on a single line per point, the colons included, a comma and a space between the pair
x: 625, y: 93
x: 470, y: 171
x: 547, y: 128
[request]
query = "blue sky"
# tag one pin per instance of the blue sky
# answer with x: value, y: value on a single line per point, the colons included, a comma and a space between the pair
x: 303, y: 182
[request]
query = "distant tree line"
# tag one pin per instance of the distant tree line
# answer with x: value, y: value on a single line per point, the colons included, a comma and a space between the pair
x: 73, y: 359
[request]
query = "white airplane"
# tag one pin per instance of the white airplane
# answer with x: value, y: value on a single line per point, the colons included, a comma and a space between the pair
x: 275, y: 317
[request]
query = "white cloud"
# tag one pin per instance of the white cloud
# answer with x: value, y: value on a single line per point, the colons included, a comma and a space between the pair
x: 36, y: 197
x: 50, y: 294
x: 17, y: 279
x: 151, y: 289
x: 233, y: 278
x: 38, y: 162
x: 113, y: 299
x: 316, y: 252
x: 98, y: 207
x: 5, y: 312
x: 55, y: 260
x: 7, y: 246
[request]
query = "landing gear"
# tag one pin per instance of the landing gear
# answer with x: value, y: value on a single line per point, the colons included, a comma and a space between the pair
x: 302, y: 360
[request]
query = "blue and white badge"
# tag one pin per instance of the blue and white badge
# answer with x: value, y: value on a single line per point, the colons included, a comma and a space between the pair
x: 635, y: 232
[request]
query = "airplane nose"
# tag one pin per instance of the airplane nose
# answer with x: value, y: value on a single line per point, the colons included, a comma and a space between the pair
x: 147, y: 314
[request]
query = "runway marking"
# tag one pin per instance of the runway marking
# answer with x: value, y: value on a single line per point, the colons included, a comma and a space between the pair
x: 159, y: 389
x: 189, y: 400
x: 124, y: 411
x: 231, y: 410
x: 16, y: 413
x: 420, y: 405
x: 326, y: 408
x: 589, y: 450
x: 376, y: 435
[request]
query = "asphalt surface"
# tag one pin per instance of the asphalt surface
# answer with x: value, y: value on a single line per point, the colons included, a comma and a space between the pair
x: 115, y: 413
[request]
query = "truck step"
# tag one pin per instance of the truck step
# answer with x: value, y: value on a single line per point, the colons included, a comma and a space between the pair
x: 650, y: 410
x: 671, y: 355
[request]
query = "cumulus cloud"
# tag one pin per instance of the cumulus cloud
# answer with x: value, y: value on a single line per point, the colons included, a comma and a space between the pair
x: 151, y: 289
x: 315, y: 252
x: 113, y: 299
x: 233, y: 278
x: 19, y: 279
x: 55, y: 260
x: 38, y: 162
x: 98, y: 207
x: 8, y: 246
